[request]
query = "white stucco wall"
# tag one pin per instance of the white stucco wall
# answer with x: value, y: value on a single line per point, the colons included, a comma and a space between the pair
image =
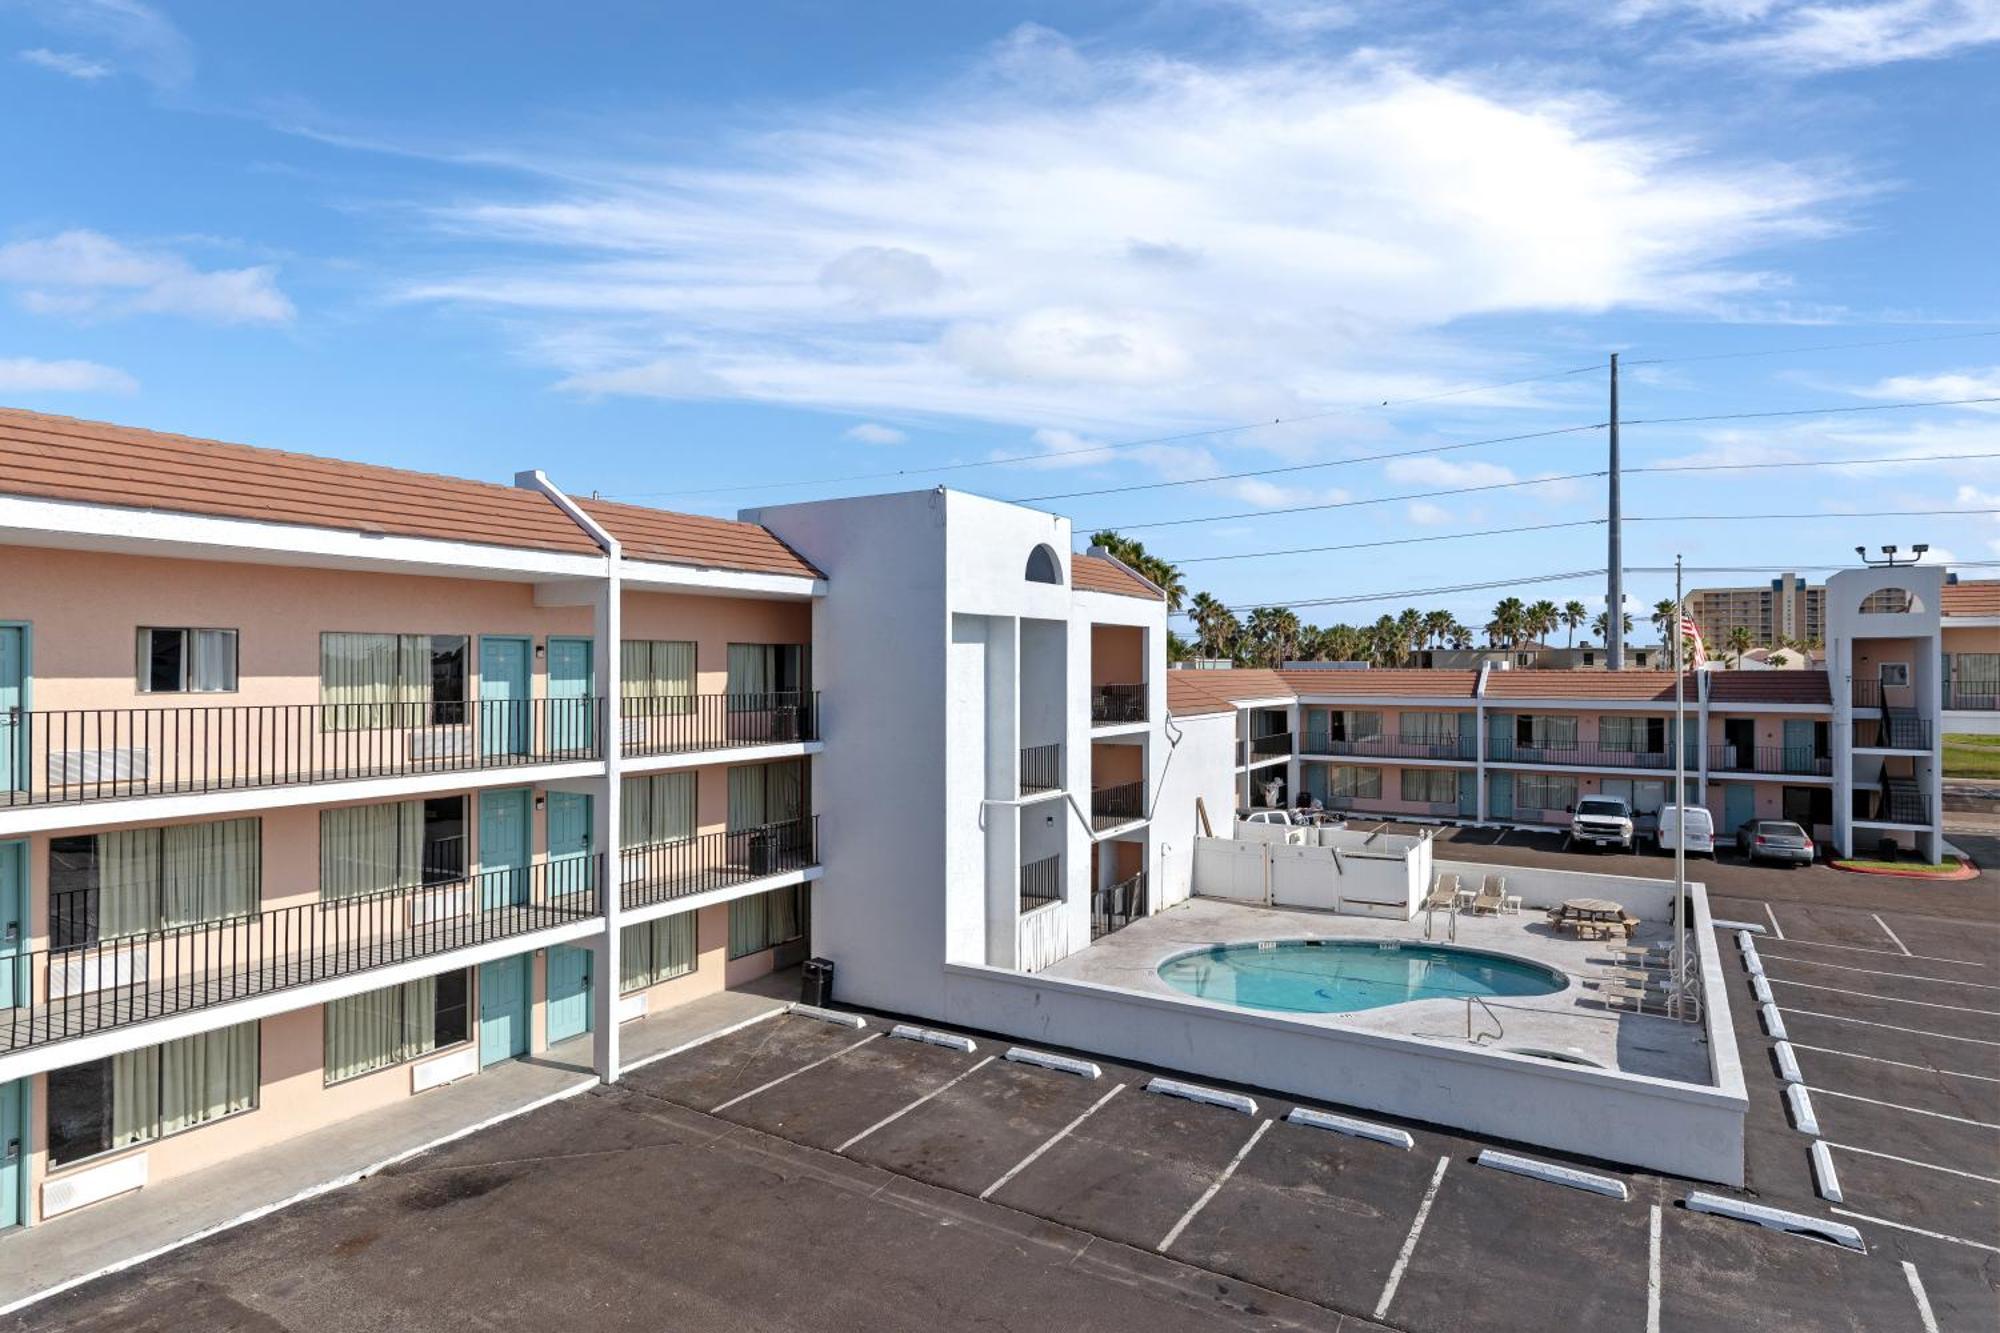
x: 1198, y: 767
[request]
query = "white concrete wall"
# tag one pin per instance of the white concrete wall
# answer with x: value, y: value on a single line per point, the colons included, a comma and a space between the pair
x: 1200, y: 757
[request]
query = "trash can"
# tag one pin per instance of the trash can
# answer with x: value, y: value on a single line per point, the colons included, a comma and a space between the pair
x: 763, y: 852
x: 816, y: 982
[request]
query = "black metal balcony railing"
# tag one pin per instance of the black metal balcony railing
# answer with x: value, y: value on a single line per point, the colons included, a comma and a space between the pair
x: 51, y: 995
x: 1271, y: 745
x: 1893, y: 731
x: 1893, y: 806
x: 1118, y: 905
x: 74, y: 755
x: 1874, y: 694
x: 1112, y: 806
x: 1391, y: 747
x: 1041, y: 883
x: 1797, y: 760
x: 1972, y: 695
x: 684, y: 723
x: 1117, y: 703
x: 1581, y: 756
x: 1041, y: 768
x: 663, y: 871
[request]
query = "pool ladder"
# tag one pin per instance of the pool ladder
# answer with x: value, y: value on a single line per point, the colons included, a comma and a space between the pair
x: 1450, y: 923
x: 1498, y: 1034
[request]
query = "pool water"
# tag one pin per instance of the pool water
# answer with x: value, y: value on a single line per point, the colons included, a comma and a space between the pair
x: 1344, y: 976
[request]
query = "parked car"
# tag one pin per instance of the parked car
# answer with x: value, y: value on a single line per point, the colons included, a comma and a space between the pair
x: 1602, y: 821
x: 1699, y: 825
x: 1264, y: 815
x: 1775, y: 840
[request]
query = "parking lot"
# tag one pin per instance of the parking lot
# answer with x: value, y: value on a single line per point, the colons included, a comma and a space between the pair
x: 802, y: 1173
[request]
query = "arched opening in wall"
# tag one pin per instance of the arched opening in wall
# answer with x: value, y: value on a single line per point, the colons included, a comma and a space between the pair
x: 1043, y: 566
x: 1889, y: 602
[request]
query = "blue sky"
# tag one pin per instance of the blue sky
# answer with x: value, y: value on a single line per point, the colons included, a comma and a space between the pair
x: 700, y: 257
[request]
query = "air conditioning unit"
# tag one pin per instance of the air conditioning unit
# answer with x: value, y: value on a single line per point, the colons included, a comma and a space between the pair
x: 93, y: 969
x: 440, y: 743
x: 631, y: 1007
x: 77, y: 1188
x: 428, y: 1074
x: 116, y: 764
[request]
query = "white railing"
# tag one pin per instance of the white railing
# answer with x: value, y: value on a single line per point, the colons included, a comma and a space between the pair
x: 1041, y: 938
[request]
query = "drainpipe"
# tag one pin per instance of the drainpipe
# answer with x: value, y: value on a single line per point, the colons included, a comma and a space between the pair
x: 607, y: 629
x: 1479, y: 741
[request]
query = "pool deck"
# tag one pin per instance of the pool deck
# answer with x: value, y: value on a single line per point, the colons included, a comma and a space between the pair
x: 1573, y: 1021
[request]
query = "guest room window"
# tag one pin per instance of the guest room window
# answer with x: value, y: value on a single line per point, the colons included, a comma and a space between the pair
x: 187, y: 661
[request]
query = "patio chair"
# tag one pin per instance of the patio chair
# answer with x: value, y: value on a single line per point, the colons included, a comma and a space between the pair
x: 1444, y: 892
x: 1492, y: 895
x: 1614, y: 993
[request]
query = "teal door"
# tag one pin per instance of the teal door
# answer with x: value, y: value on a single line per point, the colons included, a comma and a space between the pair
x: 503, y: 848
x: 572, y: 705
x: 571, y: 868
x: 569, y: 992
x: 13, y: 1152
x: 1500, y: 736
x: 1799, y: 745
x: 1739, y: 807
x: 13, y: 922
x: 503, y: 1010
x: 1468, y: 735
x: 1499, y: 795
x: 13, y: 698
x: 1468, y: 794
x: 504, y: 722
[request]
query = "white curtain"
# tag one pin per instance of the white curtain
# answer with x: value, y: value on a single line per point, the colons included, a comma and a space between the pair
x: 656, y: 951
x: 767, y: 919
x: 1549, y: 730
x: 656, y: 809
x: 1364, y: 726
x: 752, y: 668
x: 206, y: 1077
x: 658, y: 669
x: 1428, y: 728
x: 135, y: 1096
x: 746, y: 796
x: 366, y: 675
x: 419, y: 1028
x: 380, y: 1028
x: 1621, y: 733
x: 1362, y: 783
x: 1430, y: 784
x: 128, y: 882
x: 210, y: 872
x: 369, y: 848
x: 762, y: 794
x: 214, y: 666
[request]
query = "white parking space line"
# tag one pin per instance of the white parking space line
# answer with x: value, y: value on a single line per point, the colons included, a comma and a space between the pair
x: 1892, y: 1027
x: 892, y: 1118
x: 1051, y: 1141
x: 1410, y: 1241
x: 1889, y: 999
x: 1890, y: 933
x: 1772, y: 917
x: 1890, y: 953
x: 1897, y: 1106
x: 1653, y: 1272
x: 1911, y: 1161
x: 1213, y: 1187
x: 785, y: 1078
x: 1923, y: 1300
x: 1900, y: 1064
x: 1916, y: 1231
x: 1871, y: 972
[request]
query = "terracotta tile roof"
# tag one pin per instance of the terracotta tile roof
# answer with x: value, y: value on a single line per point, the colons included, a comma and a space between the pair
x: 1191, y: 693
x: 1769, y: 687
x: 1607, y: 685
x: 691, y: 539
x: 1415, y: 683
x: 61, y: 458
x: 1971, y: 599
x: 1093, y: 573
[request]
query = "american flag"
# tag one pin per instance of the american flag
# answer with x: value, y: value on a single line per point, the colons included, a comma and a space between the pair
x: 1690, y: 630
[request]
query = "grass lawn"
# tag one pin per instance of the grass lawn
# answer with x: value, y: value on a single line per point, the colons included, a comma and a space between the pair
x: 1948, y: 866
x: 1971, y: 756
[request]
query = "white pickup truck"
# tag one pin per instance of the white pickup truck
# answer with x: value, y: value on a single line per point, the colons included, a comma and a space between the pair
x: 1603, y: 821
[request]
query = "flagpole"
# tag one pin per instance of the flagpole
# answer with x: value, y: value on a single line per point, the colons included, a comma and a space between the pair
x: 1678, y: 958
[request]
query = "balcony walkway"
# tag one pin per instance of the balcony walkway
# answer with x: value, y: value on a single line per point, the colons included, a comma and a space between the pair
x: 114, y: 1234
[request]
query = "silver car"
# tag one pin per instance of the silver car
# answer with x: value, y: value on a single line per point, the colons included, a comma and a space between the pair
x: 1775, y: 840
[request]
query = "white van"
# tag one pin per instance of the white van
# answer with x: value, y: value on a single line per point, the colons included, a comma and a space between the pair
x: 1700, y: 829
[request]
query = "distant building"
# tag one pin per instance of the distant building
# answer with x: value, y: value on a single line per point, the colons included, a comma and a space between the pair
x: 1786, y: 608
x: 1535, y: 657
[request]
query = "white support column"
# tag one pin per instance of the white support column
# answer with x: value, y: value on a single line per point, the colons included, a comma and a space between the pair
x: 607, y: 606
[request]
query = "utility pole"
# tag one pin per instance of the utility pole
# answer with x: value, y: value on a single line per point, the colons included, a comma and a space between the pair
x: 1614, y: 574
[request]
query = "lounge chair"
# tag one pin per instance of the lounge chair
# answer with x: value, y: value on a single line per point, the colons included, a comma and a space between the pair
x: 1618, y: 992
x: 1492, y: 895
x: 1444, y: 893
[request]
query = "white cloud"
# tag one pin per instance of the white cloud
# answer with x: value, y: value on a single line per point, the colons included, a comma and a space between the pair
x: 27, y: 374
x: 1271, y: 495
x: 147, y: 42
x: 1981, y: 383
x: 85, y: 273
x: 1153, y: 245
x: 1428, y: 514
x: 1297, y: 18
x: 67, y: 63
x: 1815, y: 36
x: 1444, y: 472
x: 871, y: 432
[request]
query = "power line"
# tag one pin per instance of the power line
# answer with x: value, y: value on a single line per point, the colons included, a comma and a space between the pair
x: 1181, y: 438
x: 1311, y: 467
x: 1812, y: 411
x: 1812, y: 462
x: 1392, y: 541
x: 1401, y: 593
x: 1758, y: 518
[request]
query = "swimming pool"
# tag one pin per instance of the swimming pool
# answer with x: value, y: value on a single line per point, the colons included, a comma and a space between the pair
x: 1343, y: 976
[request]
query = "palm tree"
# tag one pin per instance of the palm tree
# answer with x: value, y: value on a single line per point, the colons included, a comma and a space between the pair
x: 1385, y: 642
x: 1459, y: 635
x: 1601, y: 626
x: 1666, y: 612
x: 1541, y: 620
x: 1273, y: 632
x: 1740, y: 639
x: 1165, y: 576
x: 1177, y: 648
x: 1573, y: 616
x: 1509, y: 618
x: 1343, y: 644
x: 1215, y: 625
x: 1437, y: 627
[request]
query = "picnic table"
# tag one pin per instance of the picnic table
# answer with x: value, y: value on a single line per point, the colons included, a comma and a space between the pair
x: 1597, y: 915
